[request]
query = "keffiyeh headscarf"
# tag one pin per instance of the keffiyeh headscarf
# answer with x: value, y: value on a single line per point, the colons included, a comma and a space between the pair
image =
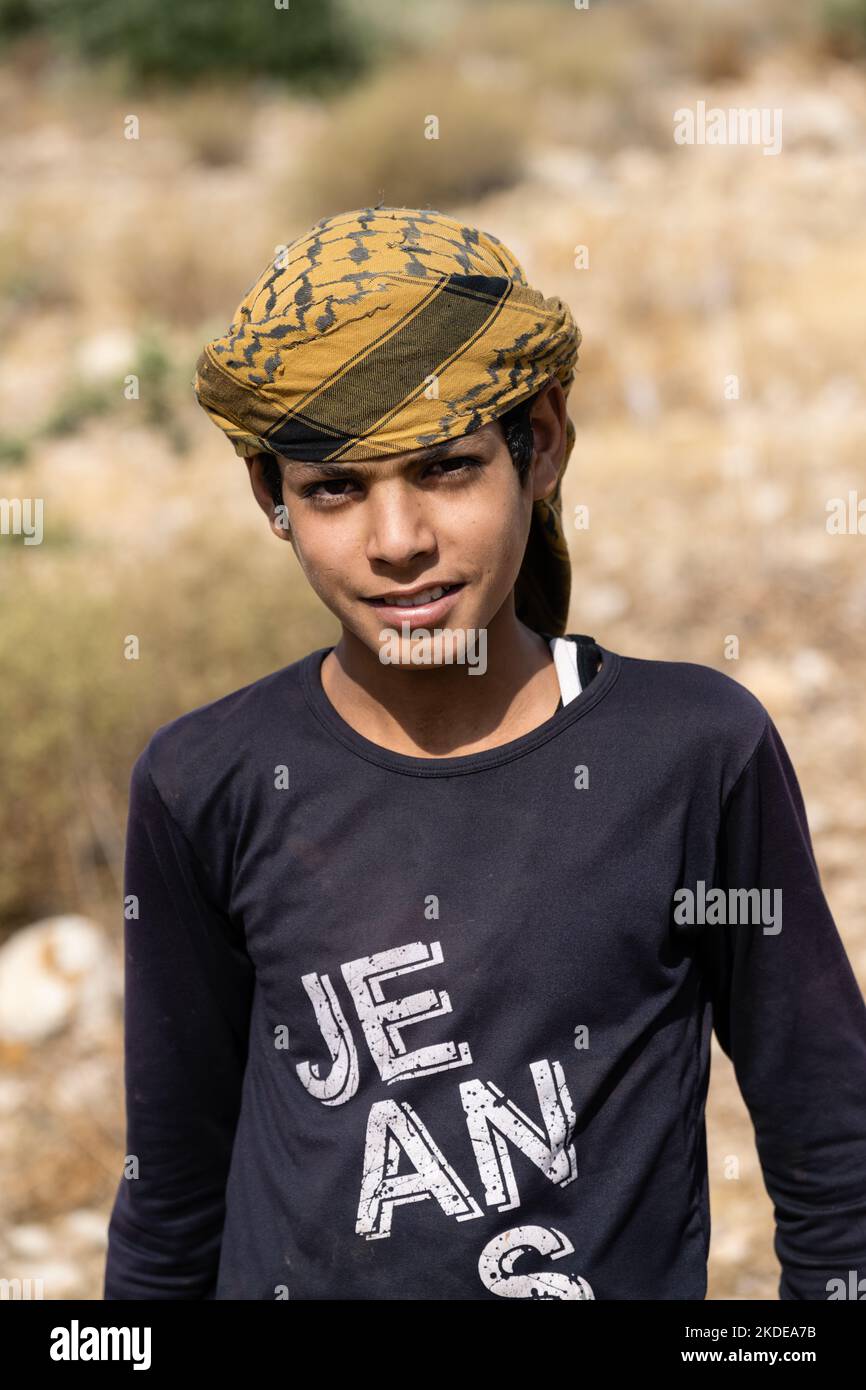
x: 385, y: 330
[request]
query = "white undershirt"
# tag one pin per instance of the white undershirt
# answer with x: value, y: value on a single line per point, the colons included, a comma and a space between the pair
x: 565, y: 660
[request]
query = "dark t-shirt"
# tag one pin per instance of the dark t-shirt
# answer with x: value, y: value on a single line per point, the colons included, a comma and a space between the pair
x: 438, y: 1028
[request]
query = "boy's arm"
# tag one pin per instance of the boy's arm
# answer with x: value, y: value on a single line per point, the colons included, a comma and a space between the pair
x: 790, y: 1015
x: 188, y: 994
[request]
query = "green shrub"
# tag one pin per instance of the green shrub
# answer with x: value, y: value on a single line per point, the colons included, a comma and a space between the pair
x: 18, y: 17
x: 844, y: 24
x: 311, y: 44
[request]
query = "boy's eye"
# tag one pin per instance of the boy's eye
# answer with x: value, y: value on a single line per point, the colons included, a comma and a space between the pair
x: 327, y: 482
x: 455, y: 467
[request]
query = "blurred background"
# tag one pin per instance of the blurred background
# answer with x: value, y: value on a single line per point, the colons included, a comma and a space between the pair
x: 154, y: 156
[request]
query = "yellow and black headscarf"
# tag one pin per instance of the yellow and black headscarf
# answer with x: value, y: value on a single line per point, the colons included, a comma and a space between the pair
x: 390, y: 329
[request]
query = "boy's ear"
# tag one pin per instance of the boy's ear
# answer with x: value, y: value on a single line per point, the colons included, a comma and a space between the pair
x: 549, y: 419
x: 275, y: 512
x: 261, y: 491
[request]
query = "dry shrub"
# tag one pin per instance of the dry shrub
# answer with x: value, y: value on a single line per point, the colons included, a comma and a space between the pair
x: 374, y: 147
x: 718, y: 40
x: 554, y: 46
x: 32, y: 276
x: 207, y: 621
x: 213, y: 124
x: 166, y: 269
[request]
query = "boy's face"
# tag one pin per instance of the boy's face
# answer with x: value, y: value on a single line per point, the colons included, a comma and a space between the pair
x: 366, y: 530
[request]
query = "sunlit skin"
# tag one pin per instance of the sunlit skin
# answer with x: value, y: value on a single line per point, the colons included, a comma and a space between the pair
x: 397, y: 522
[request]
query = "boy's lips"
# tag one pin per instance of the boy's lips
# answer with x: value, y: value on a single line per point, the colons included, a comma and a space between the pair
x: 417, y: 614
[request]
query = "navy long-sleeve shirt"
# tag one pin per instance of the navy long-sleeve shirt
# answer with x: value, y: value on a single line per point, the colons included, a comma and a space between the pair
x: 414, y: 1028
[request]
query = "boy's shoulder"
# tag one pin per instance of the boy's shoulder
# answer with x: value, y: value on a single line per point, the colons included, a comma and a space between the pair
x: 208, y: 743
x: 694, y: 708
x: 692, y: 686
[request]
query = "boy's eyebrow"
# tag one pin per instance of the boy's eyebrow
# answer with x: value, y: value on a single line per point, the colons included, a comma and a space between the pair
x: 367, y: 468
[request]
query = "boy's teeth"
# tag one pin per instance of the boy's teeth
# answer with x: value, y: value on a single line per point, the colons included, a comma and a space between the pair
x: 415, y: 601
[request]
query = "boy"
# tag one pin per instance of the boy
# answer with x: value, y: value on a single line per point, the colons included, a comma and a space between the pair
x: 422, y: 982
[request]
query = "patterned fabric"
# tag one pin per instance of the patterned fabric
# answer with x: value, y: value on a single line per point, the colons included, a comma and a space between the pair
x: 390, y: 329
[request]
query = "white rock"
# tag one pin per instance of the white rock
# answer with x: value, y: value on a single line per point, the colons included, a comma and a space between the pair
x: 731, y: 1247
x: 818, y: 816
x: 769, y: 501
x: 108, y: 354
x: 49, y: 971
x: 602, y: 603
x: 812, y: 668
x: 737, y: 461
x: 30, y: 1241
x: 86, y: 1227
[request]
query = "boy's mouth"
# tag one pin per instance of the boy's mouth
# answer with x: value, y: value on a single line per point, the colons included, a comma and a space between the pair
x: 421, y: 605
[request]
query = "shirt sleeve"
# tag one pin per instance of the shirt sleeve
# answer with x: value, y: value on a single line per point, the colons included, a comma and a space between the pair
x: 789, y: 1013
x: 188, y: 992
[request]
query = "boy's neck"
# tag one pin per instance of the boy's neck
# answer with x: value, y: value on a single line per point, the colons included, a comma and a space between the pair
x: 443, y: 711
